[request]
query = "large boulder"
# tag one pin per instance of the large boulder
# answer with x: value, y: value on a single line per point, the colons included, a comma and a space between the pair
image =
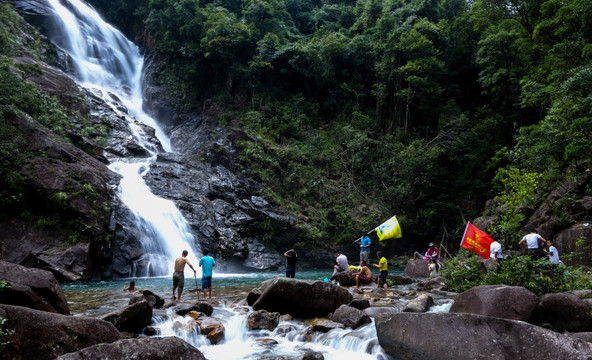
x: 155, y: 301
x: 345, y: 278
x: 302, y: 298
x: 435, y: 283
x: 262, y: 319
x: 359, y: 303
x: 399, y: 280
x: 564, y: 311
x: 422, y: 303
x: 139, y: 349
x: 42, y: 335
x: 33, y: 288
x: 417, y: 269
x: 350, y: 316
x: 508, y: 302
x: 446, y: 336
x: 131, y: 318
x: 375, y: 311
x: 325, y: 325
x: 200, y: 306
x: 212, y: 328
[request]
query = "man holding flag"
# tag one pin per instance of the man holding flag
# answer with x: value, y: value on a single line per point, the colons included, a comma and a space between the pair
x: 390, y: 229
x: 365, y: 243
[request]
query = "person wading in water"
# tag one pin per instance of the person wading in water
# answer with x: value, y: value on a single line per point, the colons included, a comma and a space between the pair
x: 179, y: 276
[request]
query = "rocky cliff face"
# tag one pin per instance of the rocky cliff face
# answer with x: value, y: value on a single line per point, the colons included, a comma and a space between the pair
x: 226, y: 213
x: 564, y: 217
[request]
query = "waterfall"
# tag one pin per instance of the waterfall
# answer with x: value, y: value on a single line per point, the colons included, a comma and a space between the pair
x: 110, y: 66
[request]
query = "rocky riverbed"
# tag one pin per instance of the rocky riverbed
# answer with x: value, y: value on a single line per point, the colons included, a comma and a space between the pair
x: 493, y: 321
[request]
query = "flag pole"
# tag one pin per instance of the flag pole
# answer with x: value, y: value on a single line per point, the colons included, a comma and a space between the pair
x: 465, y: 233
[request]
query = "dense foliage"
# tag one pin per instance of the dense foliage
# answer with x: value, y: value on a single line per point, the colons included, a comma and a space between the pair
x: 356, y: 110
x: 541, y: 276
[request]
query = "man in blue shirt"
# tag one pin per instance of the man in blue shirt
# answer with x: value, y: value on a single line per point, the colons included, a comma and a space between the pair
x: 364, y: 247
x: 207, y: 264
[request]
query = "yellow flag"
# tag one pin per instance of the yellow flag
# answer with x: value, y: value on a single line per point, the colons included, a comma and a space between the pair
x: 390, y: 229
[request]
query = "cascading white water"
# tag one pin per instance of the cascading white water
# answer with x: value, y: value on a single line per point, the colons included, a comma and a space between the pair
x: 290, y: 339
x: 109, y: 64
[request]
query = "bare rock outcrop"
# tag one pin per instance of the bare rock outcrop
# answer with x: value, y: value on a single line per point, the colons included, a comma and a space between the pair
x: 131, y: 318
x: 32, y: 288
x: 564, y: 312
x: 139, y: 349
x: 447, y: 336
x: 43, y: 335
x: 508, y: 302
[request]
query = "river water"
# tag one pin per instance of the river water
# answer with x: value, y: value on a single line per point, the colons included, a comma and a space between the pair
x: 100, y: 297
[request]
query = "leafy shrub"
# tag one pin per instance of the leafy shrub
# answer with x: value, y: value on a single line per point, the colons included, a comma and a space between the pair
x: 539, y: 276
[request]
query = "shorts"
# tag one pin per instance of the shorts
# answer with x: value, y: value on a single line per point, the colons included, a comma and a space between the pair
x: 383, y: 275
x: 290, y: 273
x: 365, y: 255
x: 206, y: 282
x: 179, y: 280
x: 364, y: 280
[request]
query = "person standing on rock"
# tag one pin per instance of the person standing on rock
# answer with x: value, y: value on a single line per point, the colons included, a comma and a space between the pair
x: 495, y: 250
x: 179, y: 276
x: 383, y: 266
x: 207, y: 264
x: 291, y: 257
x: 365, y: 243
x: 342, y: 264
x: 535, y: 244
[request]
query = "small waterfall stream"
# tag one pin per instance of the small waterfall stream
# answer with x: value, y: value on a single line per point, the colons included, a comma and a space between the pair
x: 110, y: 66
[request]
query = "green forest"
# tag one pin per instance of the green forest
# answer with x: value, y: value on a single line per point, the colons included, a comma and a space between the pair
x: 354, y: 111
x: 350, y: 112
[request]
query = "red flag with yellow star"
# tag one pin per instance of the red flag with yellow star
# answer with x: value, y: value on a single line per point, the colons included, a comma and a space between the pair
x: 476, y: 240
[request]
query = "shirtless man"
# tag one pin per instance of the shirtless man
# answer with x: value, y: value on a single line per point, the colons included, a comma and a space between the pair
x: 179, y: 276
x: 364, y: 276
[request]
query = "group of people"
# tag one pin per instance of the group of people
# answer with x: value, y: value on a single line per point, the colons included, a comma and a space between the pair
x: 432, y: 256
x: 207, y: 264
x: 537, y: 247
x: 364, y: 274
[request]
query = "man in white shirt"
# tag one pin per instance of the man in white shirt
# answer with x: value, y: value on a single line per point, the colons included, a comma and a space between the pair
x: 495, y: 251
x: 535, y: 243
x: 342, y: 264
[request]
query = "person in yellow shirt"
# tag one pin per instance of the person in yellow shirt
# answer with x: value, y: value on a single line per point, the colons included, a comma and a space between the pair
x: 383, y: 266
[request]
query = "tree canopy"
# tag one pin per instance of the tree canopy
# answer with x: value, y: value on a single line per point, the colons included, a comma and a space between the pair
x: 361, y: 109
